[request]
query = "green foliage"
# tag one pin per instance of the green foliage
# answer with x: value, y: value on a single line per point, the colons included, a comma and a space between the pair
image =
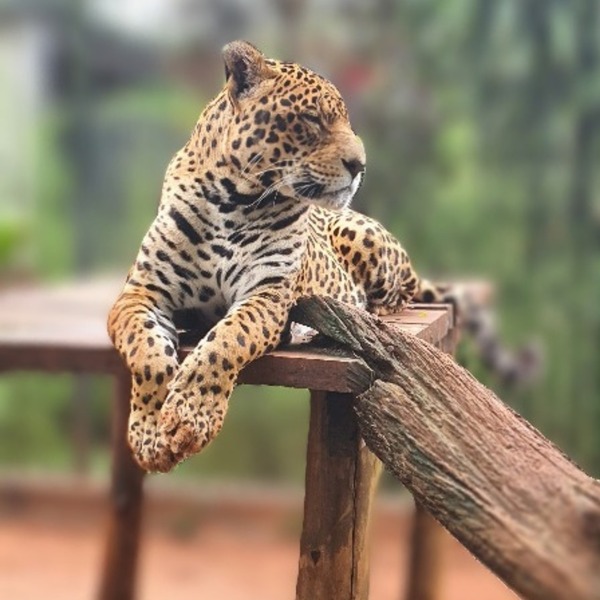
x: 31, y: 420
x: 37, y: 420
x: 499, y: 180
x: 13, y: 233
x: 52, y: 223
x: 482, y: 134
x: 137, y: 132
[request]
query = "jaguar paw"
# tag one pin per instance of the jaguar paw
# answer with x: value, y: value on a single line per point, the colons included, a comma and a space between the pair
x: 188, y: 423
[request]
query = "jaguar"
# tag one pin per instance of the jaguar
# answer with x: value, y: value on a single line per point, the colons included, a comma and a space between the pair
x: 254, y: 214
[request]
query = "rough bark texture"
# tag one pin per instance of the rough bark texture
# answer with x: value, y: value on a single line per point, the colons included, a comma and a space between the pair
x: 507, y: 493
x: 425, y: 566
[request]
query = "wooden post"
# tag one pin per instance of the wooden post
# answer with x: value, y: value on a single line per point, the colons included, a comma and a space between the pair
x: 424, y: 569
x: 121, y: 553
x: 341, y: 477
x: 80, y: 426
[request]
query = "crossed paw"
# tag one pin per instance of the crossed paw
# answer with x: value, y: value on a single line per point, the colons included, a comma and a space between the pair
x: 190, y: 416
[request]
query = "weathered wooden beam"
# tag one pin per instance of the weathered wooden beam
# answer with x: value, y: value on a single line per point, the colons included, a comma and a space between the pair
x: 506, y: 492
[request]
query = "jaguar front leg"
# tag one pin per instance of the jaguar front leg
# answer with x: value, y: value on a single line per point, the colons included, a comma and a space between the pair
x: 141, y: 329
x: 196, y: 404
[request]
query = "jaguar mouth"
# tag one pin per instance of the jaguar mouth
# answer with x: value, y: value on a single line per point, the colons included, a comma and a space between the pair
x: 336, y: 193
x: 310, y: 190
x: 335, y: 199
x: 318, y: 192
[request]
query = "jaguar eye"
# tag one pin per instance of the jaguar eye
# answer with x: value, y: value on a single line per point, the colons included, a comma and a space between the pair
x: 312, y: 118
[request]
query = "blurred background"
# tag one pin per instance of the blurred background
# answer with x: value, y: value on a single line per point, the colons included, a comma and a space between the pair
x: 481, y: 120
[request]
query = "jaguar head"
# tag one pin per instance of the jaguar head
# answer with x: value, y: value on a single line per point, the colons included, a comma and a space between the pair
x: 288, y: 130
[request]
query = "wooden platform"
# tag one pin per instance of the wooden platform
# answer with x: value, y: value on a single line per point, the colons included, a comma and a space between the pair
x: 62, y: 329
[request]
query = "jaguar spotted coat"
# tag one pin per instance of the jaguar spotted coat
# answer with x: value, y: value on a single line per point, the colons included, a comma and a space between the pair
x: 253, y: 214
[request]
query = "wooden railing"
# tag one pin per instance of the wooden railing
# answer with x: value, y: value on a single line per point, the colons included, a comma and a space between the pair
x: 63, y: 329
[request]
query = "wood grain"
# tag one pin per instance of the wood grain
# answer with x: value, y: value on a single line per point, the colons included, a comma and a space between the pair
x: 341, y: 477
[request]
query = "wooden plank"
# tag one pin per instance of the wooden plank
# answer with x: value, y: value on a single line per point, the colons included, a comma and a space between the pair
x: 61, y: 358
x: 341, y: 476
x: 63, y: 329
x: 58, y: 328
x: 92, y: 296
x: 301, y: 370
x: 302, y: 367
x: 431, y: 333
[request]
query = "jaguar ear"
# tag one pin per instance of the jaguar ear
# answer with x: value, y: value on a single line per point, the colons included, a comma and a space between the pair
x: 245, y: 67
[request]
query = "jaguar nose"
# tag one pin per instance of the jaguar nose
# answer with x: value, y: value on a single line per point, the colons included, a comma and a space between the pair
x: 354, y: 166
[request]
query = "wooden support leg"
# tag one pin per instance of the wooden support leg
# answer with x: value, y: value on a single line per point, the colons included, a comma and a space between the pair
x: 424, y: 574
x: 121, y: 553
x: 341, y: 478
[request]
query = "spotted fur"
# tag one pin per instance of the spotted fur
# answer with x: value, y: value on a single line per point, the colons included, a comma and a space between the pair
x: 254, y: 214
